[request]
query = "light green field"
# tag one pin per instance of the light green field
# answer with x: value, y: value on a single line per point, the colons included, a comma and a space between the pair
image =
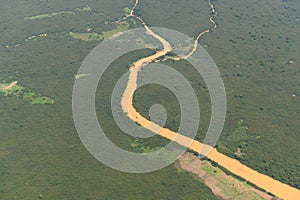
x: 124, y: 26
x: 21, y: 92
x: 121, y: 28
x: 15, y: 90
x: 84, y: 9
x: 87, y: 36
x: 212, y: 171
x: 126, y: 10
x: 43, y: 16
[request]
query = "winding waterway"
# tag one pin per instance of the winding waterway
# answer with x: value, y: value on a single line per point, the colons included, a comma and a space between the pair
x: 265, y: 182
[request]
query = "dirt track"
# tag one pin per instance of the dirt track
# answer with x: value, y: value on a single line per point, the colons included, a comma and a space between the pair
x: 10, y: 85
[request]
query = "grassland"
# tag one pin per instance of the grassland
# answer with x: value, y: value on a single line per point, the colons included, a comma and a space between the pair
x: 12, y: 89
x: 121, y: 27
x: 86, y: 36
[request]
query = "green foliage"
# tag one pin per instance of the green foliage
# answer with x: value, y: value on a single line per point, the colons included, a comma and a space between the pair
x: 87, y: 36
x: 121, y: 28
x: 84, y: 9
x: 28, y: 95
x: 238, y: 138
x: 98, y: 37
x: 126, y: 10
x: 148, y: 149
x: 41, y: 100
x: 20, y: 91
x: 40, y: 151
x: 209, y: 170
x: 44, y: 16
x: 15, y: 90
x: 126, y: 142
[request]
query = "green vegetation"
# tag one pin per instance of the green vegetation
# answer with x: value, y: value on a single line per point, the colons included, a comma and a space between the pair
x: 48, y: 161
x: 41, y: 154
x: 140, y: 147
x: 28, y: 95
x: 63, y: 12
x: 210, y: 170
x: 81, y: 75
x: 237, y: 178
x: 252, y: 52
x: 87, y: 36
x: 21, y: 92
x: 126, y: 10
x: 41, y: 100
x: 43, y: 16
x: 15, y: 90
x: 148, y: 149
x: 134, y: 145
x: 121, y: 28
x: 239, y: 139
x: 84, y: 9
x: 226, y: 186
x: 98, y: 37
x: 49, y: 15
